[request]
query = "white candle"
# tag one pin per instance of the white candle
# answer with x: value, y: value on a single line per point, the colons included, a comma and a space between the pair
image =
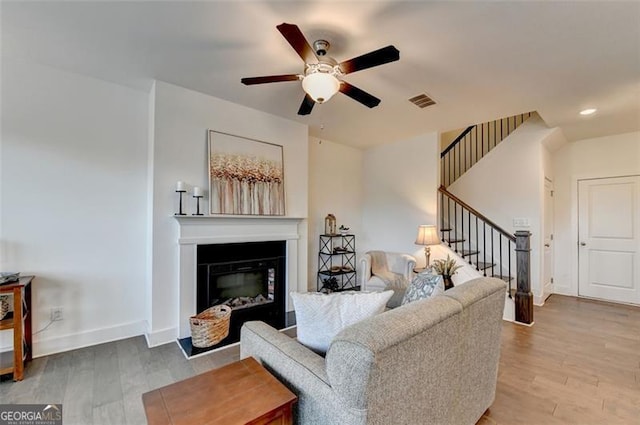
x: 197, y: 191
x: 180, y: 185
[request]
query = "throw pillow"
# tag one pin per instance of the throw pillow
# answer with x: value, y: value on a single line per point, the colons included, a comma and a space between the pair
x: 320, y: 317
x: 424, y: 285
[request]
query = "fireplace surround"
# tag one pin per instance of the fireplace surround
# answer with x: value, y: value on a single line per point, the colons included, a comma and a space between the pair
x: 195, y: 231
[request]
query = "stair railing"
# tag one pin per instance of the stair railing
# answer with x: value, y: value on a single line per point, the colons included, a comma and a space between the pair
x: 473, y: 144
x: 491, y: 249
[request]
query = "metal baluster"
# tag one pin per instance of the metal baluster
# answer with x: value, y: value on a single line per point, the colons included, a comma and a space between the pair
x: 441, y: 216
x: 477, y: 145
x: 464, y: 161
x: 509, y: 271
x: 462, y: 225
x: 455, y: 225
x: 495, y: 130
x: 501, y: 236
x: 482, y: 135
x: 484, y: 244
x: 469, y: 217
x: 483, y: 146
x: 459, y: 163
x: 493, y: 256
x: 477, y: 244
x: 449, y: 218
x: 449, y: 177
x: 467, y: 153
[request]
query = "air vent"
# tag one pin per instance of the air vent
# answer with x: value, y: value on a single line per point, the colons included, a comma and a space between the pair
x: 422, y: 100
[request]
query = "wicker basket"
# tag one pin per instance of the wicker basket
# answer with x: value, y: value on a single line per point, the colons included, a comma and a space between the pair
x: 4, y: 306
x: 211, y: 326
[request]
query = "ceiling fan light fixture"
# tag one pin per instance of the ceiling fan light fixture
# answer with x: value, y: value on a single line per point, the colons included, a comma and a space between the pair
x: 321, y: 86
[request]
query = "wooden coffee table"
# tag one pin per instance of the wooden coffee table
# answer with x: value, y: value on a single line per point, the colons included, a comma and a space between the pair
x: 240, y: 393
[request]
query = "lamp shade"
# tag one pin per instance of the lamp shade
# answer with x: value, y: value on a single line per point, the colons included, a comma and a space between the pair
x: 321, y: 86
x: 427, y: 235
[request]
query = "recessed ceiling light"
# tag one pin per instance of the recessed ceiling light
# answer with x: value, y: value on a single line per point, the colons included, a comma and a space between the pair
x: 588, y: 111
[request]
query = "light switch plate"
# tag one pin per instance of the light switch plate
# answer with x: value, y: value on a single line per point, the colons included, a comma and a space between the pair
x: 521, y: 222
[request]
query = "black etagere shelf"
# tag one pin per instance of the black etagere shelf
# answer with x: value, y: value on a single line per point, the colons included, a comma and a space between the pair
x: 337, y: 263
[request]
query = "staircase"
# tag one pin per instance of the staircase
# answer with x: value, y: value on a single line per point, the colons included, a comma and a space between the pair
x: 481, y: 242
x: 474, y: 143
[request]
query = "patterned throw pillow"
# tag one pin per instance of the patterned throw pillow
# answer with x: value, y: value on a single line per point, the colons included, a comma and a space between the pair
x: 424, y: 285
x: 320, y: 317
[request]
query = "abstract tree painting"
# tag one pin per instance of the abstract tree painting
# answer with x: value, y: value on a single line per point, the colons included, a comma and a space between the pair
x: 246, y: 176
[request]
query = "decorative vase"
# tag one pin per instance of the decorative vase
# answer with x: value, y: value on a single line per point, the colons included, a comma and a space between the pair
x: 330, y: 224
x: 448, y: 283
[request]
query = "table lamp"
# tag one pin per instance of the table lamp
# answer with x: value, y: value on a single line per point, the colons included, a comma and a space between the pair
x: 427, y: 236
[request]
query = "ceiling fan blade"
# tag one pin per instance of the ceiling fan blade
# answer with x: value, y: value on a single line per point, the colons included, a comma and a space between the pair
x: 359, y: 95
x: 269, y: 79
x: 306, y: 106
x: 371, y: 59
x: 296, y: 39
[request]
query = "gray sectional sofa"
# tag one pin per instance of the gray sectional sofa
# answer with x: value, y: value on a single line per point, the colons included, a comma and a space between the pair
x: 432, y: 361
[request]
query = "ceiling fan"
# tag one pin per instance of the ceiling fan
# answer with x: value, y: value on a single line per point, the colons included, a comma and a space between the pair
x: 322, y: 74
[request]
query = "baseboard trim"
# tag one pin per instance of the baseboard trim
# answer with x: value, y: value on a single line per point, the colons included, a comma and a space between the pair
x: 161, y: 337
x: 45, y: 347
x: 515, y: 322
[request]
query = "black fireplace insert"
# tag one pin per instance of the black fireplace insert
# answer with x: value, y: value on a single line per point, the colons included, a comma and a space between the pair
x: 248, y: 277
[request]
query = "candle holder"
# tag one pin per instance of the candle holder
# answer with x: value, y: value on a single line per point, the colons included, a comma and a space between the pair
x: 197, y: 198
x: 180, y: 209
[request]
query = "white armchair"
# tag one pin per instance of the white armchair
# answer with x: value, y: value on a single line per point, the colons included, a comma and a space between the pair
x: 396, y: 261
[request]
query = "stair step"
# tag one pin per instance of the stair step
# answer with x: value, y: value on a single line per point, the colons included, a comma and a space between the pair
x: 450, y: 241
x: 483, y: 266
x: 506, y: 279
x: 446, y: 230
x: 467, y: 252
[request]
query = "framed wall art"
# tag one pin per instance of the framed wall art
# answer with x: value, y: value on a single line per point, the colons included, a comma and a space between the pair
x: 246, y: 176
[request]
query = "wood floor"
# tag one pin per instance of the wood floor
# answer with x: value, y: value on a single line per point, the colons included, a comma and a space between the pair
x: 579, y: 364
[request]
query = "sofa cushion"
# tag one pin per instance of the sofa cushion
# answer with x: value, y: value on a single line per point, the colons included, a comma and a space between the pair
x: 320, y: 317
x: 424, y: 285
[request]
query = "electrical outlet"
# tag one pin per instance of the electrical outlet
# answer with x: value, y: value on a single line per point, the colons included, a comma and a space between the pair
x: 56, y: 314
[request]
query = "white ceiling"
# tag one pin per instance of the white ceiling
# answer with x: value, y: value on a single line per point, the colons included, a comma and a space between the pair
x: 478, y: 60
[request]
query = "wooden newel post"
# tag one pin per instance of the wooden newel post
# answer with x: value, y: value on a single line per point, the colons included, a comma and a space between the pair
x: 524, y: 297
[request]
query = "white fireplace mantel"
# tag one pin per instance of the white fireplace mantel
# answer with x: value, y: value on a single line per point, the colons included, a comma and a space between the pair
x: 201, y: 230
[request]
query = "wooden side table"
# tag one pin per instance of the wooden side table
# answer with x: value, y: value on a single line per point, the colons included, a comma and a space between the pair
x: 237, y: 394
x: 20, y: 321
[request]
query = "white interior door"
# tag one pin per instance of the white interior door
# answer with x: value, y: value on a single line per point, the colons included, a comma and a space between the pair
x: 608, y: 238
x: 547, y: 275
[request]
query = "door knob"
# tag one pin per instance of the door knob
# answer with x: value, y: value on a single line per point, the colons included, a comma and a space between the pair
x: 547, y: 245
x: 583, y: 244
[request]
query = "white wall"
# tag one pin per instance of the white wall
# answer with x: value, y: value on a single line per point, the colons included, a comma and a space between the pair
x: 181, y: 120
x: 400, y: 193
x: 73, y: 163
x: 335, y: 186
x: 508, y: 183
x: 609, y: 156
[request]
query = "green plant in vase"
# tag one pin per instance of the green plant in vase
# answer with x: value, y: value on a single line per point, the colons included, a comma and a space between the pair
x: 446, y: 268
